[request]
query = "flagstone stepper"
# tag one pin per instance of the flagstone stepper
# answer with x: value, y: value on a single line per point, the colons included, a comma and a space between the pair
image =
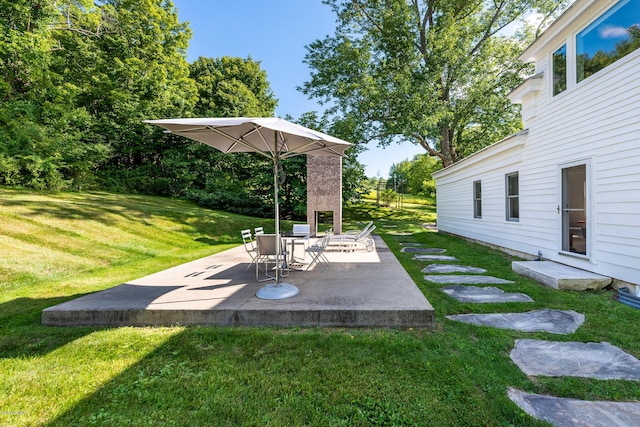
x: 467, y: 279
x: 418, y: 250
x: 434, y: 258
x: 452, y: 268
x: 480, y: 295
x: 545, y: 320
x: 575, y: 359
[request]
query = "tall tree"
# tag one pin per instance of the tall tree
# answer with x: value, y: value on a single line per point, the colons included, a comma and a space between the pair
x: 433, y: 72
x: 137, y: 70
x: 242, y: 182
x: 37, y: 148
x: 231, y: 87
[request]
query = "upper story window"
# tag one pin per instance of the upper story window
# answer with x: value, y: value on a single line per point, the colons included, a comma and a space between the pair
x: 477, y: 199
x: 513, y: 195
x: 615, y: 34
x: 560, y: 70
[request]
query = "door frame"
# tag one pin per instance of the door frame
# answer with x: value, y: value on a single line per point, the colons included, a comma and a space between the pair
x: 588, y: 207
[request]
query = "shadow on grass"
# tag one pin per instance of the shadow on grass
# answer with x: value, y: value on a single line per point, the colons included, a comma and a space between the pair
x: 217, y: 376
x: 22, y: 333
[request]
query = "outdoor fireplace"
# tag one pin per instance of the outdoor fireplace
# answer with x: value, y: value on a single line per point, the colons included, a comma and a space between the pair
x: 324, y: 193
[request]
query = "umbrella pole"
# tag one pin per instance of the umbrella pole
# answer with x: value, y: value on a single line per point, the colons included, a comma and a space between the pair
x: 278, y: 290
x: 276, y: 166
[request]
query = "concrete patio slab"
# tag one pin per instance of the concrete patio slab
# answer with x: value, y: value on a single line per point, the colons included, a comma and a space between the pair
x: 563, y: 412
x: 559, y: 276
x: 575, y: 359
x: 467, y: 279
x: 434, y: 258
x: 545, y: 320
x: 481, y: 295
x: 358, y: 288
x: 417, y: 250
x: 452, y: 268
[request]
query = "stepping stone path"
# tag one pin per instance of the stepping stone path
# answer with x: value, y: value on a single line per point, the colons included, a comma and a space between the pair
x: 575, y: 359
x: 545, y: 320
x: 572, y: 412
x: 417, y: 250
x: 452, y: 268
x: 483, y: 295
x: 550, y: 358
x: 434, y: 258
x: 460, y: 279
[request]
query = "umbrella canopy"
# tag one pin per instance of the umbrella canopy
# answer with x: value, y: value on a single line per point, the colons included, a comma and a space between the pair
x: 269, y: 136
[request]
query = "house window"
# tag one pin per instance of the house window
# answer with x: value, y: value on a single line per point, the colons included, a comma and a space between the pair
x: 609, y: 38
x: 513, y: 205
x: 477, y: 199
x: 560, y: 70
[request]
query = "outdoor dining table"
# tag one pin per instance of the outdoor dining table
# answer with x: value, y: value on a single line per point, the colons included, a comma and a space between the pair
x: 290, y: 239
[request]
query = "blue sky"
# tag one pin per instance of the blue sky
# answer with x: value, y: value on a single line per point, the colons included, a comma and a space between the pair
x: 275, y: 32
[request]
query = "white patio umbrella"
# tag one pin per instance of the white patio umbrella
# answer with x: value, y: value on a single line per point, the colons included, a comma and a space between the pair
x: 272, y: 137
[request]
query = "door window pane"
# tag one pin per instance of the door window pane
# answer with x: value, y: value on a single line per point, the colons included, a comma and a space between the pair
x: 574, y: 212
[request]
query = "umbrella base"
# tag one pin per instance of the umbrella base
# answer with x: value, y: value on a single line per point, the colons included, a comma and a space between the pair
x: 277, y: 291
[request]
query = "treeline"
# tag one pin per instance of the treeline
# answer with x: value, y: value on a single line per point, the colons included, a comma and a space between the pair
x: 413, y: 176
x: 77, y: 79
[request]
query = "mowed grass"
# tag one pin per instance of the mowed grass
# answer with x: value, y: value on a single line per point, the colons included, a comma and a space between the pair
x: 55, y: 247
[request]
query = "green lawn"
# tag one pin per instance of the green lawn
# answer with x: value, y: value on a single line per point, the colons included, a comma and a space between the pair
x: 55, y: 247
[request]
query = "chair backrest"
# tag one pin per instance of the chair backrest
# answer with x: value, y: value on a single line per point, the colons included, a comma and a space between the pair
x: 301, y: 230
x: 367, y: 230
x: 259, y: 230
x: 325, y: 241
x: 246, y: 239
x: 267, y: 244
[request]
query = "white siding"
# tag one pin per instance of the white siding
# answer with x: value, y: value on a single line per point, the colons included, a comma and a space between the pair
x: 596, y: 121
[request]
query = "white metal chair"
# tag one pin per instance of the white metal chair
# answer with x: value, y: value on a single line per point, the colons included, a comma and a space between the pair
x: 303, y: 232
x: 317, y: 253
x: 266, y: 245
x: 258, y: 231
x: 249, y: 246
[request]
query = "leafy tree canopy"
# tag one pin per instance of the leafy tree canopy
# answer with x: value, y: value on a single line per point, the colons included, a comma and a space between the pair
x: 433, y: 72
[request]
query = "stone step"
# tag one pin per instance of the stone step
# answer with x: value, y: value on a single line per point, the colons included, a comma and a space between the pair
x: 560, y: 276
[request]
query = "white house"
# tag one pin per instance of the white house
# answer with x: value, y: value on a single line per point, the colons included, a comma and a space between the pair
x: 568, y: 187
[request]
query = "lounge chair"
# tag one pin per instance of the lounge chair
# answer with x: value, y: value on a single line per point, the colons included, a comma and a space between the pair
x: 351, y: 241
x: 356, y: 232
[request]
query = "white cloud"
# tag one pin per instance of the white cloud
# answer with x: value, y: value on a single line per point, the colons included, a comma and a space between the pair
x: 613, y: 32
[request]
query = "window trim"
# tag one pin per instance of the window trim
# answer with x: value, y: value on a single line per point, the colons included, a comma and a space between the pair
x: 510, y: 197
x: 566, y: 70
x: 477, y: 199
